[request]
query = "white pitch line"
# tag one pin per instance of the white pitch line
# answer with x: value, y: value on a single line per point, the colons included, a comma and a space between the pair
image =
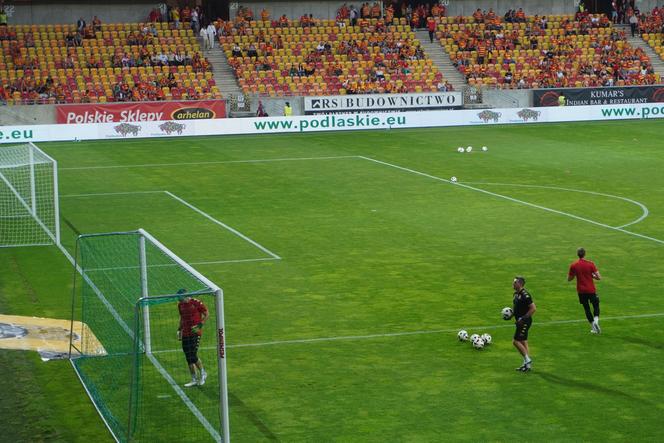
x: 221, y: 162
x: 98, y: 194
x: 224, y: 225
x: 245, y: 260
x: 515, y: 200
x: 272, y: 255
x: 644, y: 208
x: 178, y: 390
x: 425, y: 332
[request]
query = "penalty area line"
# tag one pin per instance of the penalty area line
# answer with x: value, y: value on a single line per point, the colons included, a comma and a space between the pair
x: 203, y: 163
x: 433, y: 331
x: 515, y: 200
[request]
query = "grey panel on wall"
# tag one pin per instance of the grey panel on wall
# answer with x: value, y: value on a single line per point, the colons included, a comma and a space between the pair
x: 60, y: 13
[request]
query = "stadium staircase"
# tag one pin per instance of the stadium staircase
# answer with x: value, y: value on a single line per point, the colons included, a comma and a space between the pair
x: 655, y: 59
x: 441, y: 60
x: 223, y: 74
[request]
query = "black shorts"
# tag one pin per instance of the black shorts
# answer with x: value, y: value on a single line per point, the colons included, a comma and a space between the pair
x: 521, y: 333
x: 585, y: 298
x: 190, y: 348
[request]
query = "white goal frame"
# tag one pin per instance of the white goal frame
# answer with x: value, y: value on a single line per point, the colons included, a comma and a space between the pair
x: 221, y: 435
x: 221, y: 328
x: 29, y: 202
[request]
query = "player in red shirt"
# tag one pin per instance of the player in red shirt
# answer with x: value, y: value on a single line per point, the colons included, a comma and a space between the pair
x: 585, y: 272
x: 193, y: 314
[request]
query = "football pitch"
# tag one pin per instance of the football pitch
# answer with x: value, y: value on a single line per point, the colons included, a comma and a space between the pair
x: 349, y: 261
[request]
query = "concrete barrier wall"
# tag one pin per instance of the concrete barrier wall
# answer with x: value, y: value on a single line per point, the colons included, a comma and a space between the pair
x: 328, y: 9
x: 109, y: 11
x: 27, y: 115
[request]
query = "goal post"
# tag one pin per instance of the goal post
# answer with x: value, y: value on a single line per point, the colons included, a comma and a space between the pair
x: 29, y: 206
x: 134, y: 369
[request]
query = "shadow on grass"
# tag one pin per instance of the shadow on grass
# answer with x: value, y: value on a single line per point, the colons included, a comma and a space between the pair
x: 640, y: 341
x: 239, y: 406
x: 588, y: 386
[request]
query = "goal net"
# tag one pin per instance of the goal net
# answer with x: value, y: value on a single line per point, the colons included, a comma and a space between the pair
x: 128, y: 298
x: 28, y: 197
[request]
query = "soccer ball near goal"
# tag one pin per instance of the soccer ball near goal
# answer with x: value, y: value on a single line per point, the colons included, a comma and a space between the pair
x: 453, y: 179
x: 478, y: 344
x: 461, y: 150
x: 474, y: 338
x: 507, y: 313
x: 487, y: 339
x: 462, y: 335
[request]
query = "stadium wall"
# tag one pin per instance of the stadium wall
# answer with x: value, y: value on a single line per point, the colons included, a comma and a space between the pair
x: 328, y: 9
x: 53, y: 12
x: 320, y: 123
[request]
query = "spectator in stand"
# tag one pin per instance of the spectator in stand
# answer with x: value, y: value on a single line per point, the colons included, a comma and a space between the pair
x: 353, y: 13
x: 261, y: 110
x: 431, y: 26
x: 96, y: 24
x: 375, y: 10
x: 204, y: 35
x: 69, y: 39
x: 236, y: 51
x: 195, y: 24
x: 211, y: 34
x: 80, y: 25
x: 365, y: 11
x: 155, y: 15
x: 175, y: 16
x: 251, y: 51
x: 633, y: 21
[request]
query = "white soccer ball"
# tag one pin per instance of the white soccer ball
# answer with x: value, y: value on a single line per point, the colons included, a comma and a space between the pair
x: 469, y: 148
x: 462, y: 335
x: 478, y: 344
x: 460, y: 149
x: 484, y: 148
x: 453, y: 179
x: 507, y: 313
x: 487, y: 339
x: 474, y: 338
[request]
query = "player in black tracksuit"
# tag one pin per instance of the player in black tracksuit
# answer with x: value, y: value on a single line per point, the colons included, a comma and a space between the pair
x: 524, y: 308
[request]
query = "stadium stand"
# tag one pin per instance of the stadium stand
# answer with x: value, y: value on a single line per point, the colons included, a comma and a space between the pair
x: 321, y: 57
x: 520, y: 51
x: 102, y: 63
x: 651, y: 28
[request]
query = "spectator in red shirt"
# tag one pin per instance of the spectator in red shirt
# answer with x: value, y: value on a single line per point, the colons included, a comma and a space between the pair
x: 585, y: 272
x: 193, y: 314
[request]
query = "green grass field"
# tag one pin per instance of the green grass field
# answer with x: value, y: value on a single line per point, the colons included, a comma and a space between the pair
x: 350, y: 335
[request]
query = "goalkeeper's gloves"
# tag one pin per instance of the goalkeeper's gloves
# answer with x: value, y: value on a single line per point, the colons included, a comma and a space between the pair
x: 197, y: 327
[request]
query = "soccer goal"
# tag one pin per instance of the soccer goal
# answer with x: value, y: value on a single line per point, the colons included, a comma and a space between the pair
x: 29, y: 213
x: 130, y: 360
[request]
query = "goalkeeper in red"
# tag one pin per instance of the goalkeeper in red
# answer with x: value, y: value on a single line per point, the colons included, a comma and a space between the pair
x: 585, y: 272
x: 193, y: 314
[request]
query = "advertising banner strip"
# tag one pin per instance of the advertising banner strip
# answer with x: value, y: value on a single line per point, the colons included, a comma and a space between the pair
x: 427, y: 101
x: 127, y: 112
x: 335, y: 122
x: 599, y: 96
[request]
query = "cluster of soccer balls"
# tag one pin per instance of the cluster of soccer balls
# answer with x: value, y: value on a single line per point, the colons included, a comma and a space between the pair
x: 478, y: 341
x: 461, y: 149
